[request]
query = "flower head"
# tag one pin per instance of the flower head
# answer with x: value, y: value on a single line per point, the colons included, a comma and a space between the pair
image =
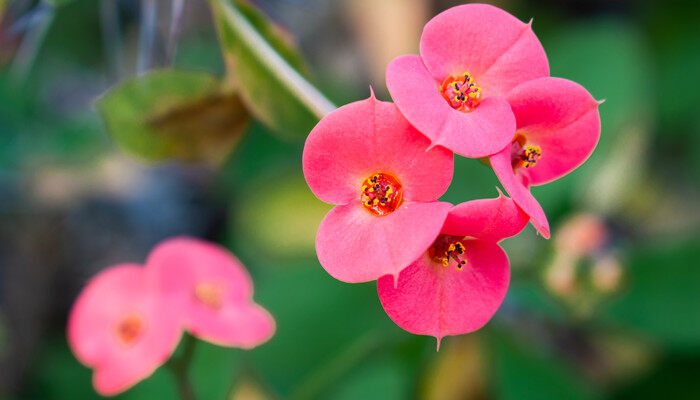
x: 212, y: 292
x: 121, y: 328
x: 369, y: 161
x: 458, y: 284
x: 558, y: 126
x: 471, y: 56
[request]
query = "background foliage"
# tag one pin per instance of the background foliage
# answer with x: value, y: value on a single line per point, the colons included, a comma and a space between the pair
x: 99, y: 162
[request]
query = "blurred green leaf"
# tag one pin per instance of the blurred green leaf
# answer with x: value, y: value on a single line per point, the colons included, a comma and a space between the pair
x: 273, y: 90
x: 58, y: 3
x: 523, y: 372
x: 174, y: 114
x: 610, y: 59
x: 61, y: 377
x: 280, y: 39
x: 382, y: 378
x: 280, y: 217
x: 317, y: 317
x: 662, y: 299
x: 214, y: 370
x: 672, y: 379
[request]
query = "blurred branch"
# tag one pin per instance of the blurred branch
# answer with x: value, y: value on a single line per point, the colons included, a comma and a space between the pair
x: 177, y: 10
x: 147, y: 35
x: 32, y: 41
x: 307, y: 93
x: 111, y: 36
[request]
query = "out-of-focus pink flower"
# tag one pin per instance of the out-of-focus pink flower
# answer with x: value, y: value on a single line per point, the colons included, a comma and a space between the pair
x: 121, y: 327
x: 558, y: 126
x: 367, y: 159
x: 212, y: 292
x: 459, y: 283
x: 471, y: 56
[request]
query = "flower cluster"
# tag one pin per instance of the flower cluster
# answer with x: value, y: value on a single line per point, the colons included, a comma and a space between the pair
x: 481, y: 89
x: 129, y: 319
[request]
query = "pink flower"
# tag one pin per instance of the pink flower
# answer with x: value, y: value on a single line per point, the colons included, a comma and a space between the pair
x: 459, y: 283
x: 212, y: 292
x: 122, y: 328
x: 558, y: 126
x: 471, y: 56
x: 369, y: 161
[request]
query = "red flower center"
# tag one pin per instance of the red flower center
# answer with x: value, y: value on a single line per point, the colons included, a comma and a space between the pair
x: 209, y: 294
x: 129, y: 329
x: 448, y: 248
x: 381, y: 194
x: 522, y: 154
x: 461, y: 92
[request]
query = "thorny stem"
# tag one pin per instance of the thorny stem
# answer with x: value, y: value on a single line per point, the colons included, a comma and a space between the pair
x: 180, y: 368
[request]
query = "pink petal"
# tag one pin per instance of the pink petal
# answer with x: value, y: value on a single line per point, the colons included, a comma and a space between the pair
x: 479, y: 133
x: 112, y: 295
x: 180, y: 265
x: 499, y: 50
x: 501, y: 164
x: 356, y: 246
x: 486, y: 219
x: 235, y: 325
x: 434, y: 300
x: 369, y: 136
x: 562, y: 118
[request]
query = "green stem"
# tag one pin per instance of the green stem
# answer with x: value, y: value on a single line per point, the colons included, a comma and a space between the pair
x: 180, y: 367
x: 267, y: 55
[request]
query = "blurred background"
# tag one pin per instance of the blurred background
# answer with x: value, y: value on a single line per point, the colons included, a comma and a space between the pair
x: 105, y: 150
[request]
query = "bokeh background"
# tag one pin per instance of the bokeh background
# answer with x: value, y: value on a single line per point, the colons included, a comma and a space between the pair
x: 609, y: 308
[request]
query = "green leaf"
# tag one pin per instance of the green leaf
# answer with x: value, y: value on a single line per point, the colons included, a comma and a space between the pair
x: 662, y: 300
x: 174, y: 114
x: 55, y: 3
x: 522, y: 372
x: 275, y: 93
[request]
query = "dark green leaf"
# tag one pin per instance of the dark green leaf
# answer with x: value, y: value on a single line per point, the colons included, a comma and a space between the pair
x: 174, y: 114
x: 271, y: 88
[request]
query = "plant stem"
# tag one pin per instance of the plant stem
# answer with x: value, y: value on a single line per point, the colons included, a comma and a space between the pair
x: 31, y: 43
x: 268, y: 56
x: 177, y: 11
x: 180, y: 368
x: 147, y: 35
x: 111, y: 36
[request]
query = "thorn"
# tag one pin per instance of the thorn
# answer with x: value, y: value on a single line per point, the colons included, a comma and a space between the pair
x: 600, y: 101
x: 371, y: 93
x: 438, y: 343
x: 396, y: 281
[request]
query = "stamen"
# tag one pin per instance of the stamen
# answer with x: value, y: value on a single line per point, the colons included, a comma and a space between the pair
x: 447, y: 248
x: 531, y: 155
x: 381, y: 194
x: 209, y: 294
x: 461, y: 92
x: 523, y: 155
x: 129, y: 329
